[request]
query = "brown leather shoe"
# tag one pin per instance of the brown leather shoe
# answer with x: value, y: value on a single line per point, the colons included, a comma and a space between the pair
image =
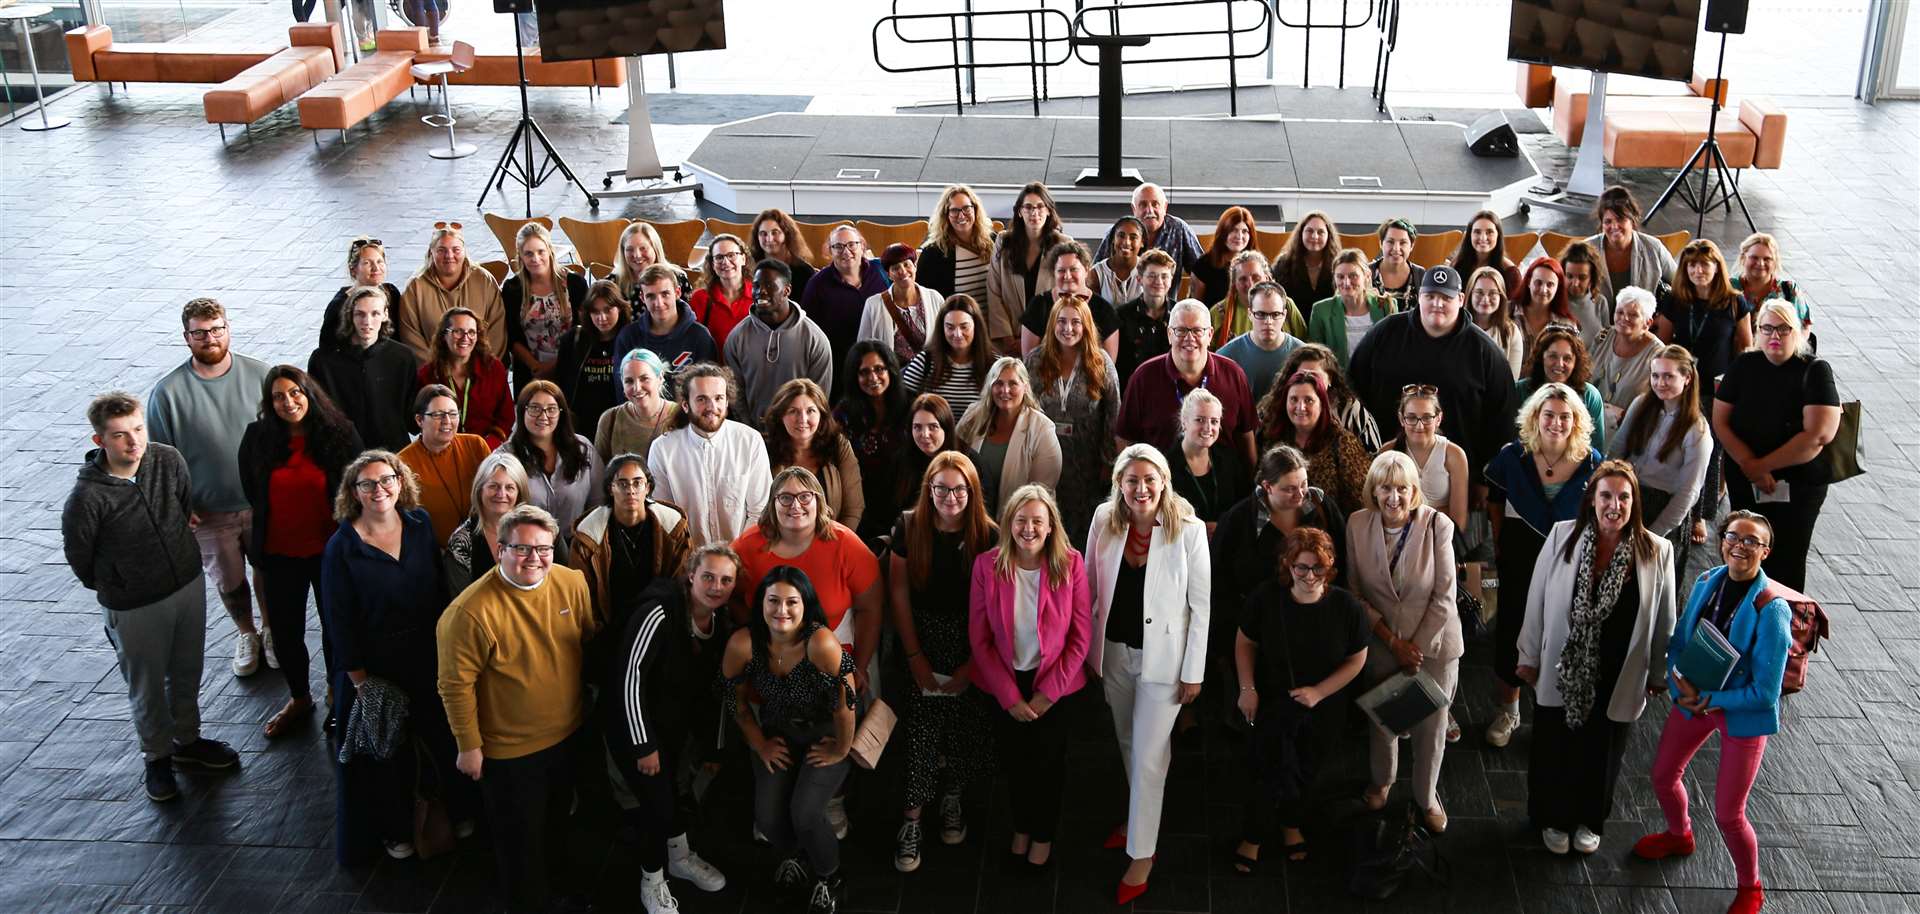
x: 1436, y: 819
x: 293, y: 714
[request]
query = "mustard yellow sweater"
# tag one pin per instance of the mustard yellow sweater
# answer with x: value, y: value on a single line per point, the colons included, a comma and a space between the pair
x: 510, y: 662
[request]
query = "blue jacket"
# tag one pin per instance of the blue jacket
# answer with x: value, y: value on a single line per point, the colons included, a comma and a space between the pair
x: 1762, y: 635
x: 1513, y: 481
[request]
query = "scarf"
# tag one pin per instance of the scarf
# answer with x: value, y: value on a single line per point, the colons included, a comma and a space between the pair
x: 1580, y: 659
x: 909, y: 333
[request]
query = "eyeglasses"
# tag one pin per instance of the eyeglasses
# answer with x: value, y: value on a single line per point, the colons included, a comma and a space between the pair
x: 388, y: 481
x: 729, y: 256
x: 941, y: 493
x: 359, y: 243
x: 447, y: 225
x: 789, y: 499
x: 442, y: 415
x: 1190, y: 332
x: 840, y: 246
x: 960, y: 208
x: 200, y: 336
x: 524, y: 551
x: 1419, y: 418
x: 1033, y: 207
x: 543, y: 412
x: 459, y: 334
x: 1777, y: 331
x: 873, y: 371
x: 633, y: 484
x: 1309, y: 571
x: 1269, y: 315
x: 1745, y: 542
x: 1419, y: 390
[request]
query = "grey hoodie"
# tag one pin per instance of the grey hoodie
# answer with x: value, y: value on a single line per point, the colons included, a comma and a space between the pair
x: 765, y: 357
x: 128, y: 540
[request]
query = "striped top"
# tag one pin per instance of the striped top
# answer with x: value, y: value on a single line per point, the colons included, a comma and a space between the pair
x: 960, y: 389
x: 970, y: 274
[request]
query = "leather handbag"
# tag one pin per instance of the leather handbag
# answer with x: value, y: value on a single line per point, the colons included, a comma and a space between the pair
x: 1842, y: 454
x: 871, y: 738
x: 432, y: 830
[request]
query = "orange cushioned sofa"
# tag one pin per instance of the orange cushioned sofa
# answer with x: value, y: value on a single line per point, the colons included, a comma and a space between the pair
x: 503, y: 70
x: 358, y: 91
x: 258, y: 90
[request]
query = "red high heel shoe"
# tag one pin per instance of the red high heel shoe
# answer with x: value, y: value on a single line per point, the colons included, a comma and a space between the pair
x: 1127, y: 893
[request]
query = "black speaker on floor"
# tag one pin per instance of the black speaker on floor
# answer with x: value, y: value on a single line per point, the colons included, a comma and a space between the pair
x: 1727, y: 17
x: 1491, y: 135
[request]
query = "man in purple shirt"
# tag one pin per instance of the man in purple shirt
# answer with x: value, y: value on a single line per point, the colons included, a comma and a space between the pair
x: 1150, y: 408
x: 835, y: 297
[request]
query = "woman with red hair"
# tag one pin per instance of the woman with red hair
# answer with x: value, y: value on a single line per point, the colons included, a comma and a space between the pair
x: 1540, y: 300
x: 1235, y: 232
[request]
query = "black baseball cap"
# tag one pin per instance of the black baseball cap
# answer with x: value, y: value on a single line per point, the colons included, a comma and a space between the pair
x: 1441, y: 279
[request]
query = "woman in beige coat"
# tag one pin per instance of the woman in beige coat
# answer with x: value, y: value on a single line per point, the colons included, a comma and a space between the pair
x: 1013, y: 441
x: 447, y: 281
x: 1400, y: 564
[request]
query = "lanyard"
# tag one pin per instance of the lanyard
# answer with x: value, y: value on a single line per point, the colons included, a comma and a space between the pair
x: 1401, y: 546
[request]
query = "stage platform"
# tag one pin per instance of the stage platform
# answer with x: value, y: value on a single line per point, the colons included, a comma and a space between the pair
x: 1360, y: 171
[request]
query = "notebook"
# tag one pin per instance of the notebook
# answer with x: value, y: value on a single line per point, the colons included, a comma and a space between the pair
x: 1708, y: 658
x: 1400, y: 702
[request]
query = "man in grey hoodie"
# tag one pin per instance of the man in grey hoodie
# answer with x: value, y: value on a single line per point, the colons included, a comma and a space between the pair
x: 775, y: 344
x: 128, y: 536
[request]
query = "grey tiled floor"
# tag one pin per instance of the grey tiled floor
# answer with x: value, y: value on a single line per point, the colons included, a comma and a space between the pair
x: 111, y: 224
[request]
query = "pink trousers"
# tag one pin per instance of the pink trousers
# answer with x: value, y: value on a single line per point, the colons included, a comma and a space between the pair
x: 1739, y: 766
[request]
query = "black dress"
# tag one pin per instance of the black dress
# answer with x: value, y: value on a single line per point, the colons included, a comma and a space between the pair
x: 1571, y: 774
x: 949, y: 737
x: 1300, y: 644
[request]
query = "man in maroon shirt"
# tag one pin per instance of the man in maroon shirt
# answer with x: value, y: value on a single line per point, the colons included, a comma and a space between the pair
x: 1150, y: 408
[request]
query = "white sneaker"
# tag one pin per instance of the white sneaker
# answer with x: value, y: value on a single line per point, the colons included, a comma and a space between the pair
x: 1500, y: 732
x: 1453, y: 727
x: 246, y: 654
x: 266, y: 649
x: 906, y: 846
x: 837, y: 816
x: 1555, y: 840
x: 1584, y: 841
x: 655, y: 896
x: 953, y: 820
x: 704, y: 876
x: 399, y: 850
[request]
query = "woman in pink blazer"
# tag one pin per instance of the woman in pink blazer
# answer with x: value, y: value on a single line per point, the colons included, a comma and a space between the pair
x: 1030, y: 625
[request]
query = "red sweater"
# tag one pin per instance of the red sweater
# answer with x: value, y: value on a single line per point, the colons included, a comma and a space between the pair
x: 720, y: 314
x: 486, y: 403
x: 300, y: 505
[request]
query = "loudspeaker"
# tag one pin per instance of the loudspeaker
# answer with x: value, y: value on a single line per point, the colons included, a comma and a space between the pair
x: 1491, y: 135
x: 1727, y: 16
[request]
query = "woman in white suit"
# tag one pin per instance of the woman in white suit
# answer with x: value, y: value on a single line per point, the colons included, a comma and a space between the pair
x: 1147, y: 563
x: 1400, y: 564
x: 1593, y: 646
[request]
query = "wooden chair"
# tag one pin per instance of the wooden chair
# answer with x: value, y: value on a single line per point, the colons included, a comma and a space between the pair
x: 495, y: 268
x: 1556, y: 244
x: 879, y: 234
x: 1517, y: 246
x: 1206, y: 240
x: 1272, y: 243
x: 577, y: 269
x: 817, y: 235
x: 504, y: 229
x: 595, y: 242
x: 1367, y: 242
x: 679, y: 238
x: 1434, y: 249
x: 1675, y: 241
x: 596, y: 271
x: 741, y: 230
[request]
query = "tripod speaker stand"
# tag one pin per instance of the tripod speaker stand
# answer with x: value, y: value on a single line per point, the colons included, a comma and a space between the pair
x: 516, y: 161
x: 1711, y: 162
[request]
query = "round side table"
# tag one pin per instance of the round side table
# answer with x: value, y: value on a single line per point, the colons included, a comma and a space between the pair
x: 21, y: 14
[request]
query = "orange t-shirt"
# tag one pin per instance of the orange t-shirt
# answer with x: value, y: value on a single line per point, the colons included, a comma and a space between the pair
x: 839, y: 570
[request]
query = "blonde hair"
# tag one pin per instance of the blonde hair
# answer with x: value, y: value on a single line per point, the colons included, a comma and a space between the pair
x: 621, y: 274
x: 1393, y: 468
x: 939, y: 233
x: 1784, y: 310
x: 1055, y: 553
x: 1173, y: 511
x: 823, y: 513
x: 979, y: 417
x: 1761, y: 238
x: 498, y: 461
x: 439, y: 234
x: 1580, y: 442
x: 1190, y: 406
x: 346, y: 508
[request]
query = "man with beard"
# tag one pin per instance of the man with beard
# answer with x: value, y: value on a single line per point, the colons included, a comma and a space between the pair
x: 200, y: 409
x: 714, y: 469
x: 775, y: 344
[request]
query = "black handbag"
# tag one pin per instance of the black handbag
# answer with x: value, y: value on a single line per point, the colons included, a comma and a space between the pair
x: 1386, y: 849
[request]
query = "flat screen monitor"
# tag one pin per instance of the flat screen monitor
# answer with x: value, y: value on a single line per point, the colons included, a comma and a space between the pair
x: 1651, y: 38
x: 588, y: 29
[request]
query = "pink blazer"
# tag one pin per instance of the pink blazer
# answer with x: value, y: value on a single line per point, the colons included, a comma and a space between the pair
x: 1066, y: 624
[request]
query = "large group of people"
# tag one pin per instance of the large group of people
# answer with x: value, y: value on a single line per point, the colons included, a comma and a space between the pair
x: 569, y: 524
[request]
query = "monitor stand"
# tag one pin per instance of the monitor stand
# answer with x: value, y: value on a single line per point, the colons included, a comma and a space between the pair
x: 1589, y: 168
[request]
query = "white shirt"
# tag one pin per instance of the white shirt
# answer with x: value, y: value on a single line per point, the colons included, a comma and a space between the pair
x: 721, y: 482
x: 1357, y: 327
x: 1026, y: 619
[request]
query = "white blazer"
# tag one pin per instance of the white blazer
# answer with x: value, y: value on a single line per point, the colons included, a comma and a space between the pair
x: 1176, y: 598
x: 1550, y: 617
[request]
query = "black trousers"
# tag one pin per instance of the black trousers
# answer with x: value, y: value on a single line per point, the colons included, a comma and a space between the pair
x: 1792, y: 527
x: 1285, y: 755
x: 1033, y: 756
x: 1571, y: 774
x: 286, y: 582
x: 657, y: 818
x: 527, y: 800
x: 1519, y: 549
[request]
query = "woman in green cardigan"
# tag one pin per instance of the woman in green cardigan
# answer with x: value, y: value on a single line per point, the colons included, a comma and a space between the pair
x: 1339, y: 322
